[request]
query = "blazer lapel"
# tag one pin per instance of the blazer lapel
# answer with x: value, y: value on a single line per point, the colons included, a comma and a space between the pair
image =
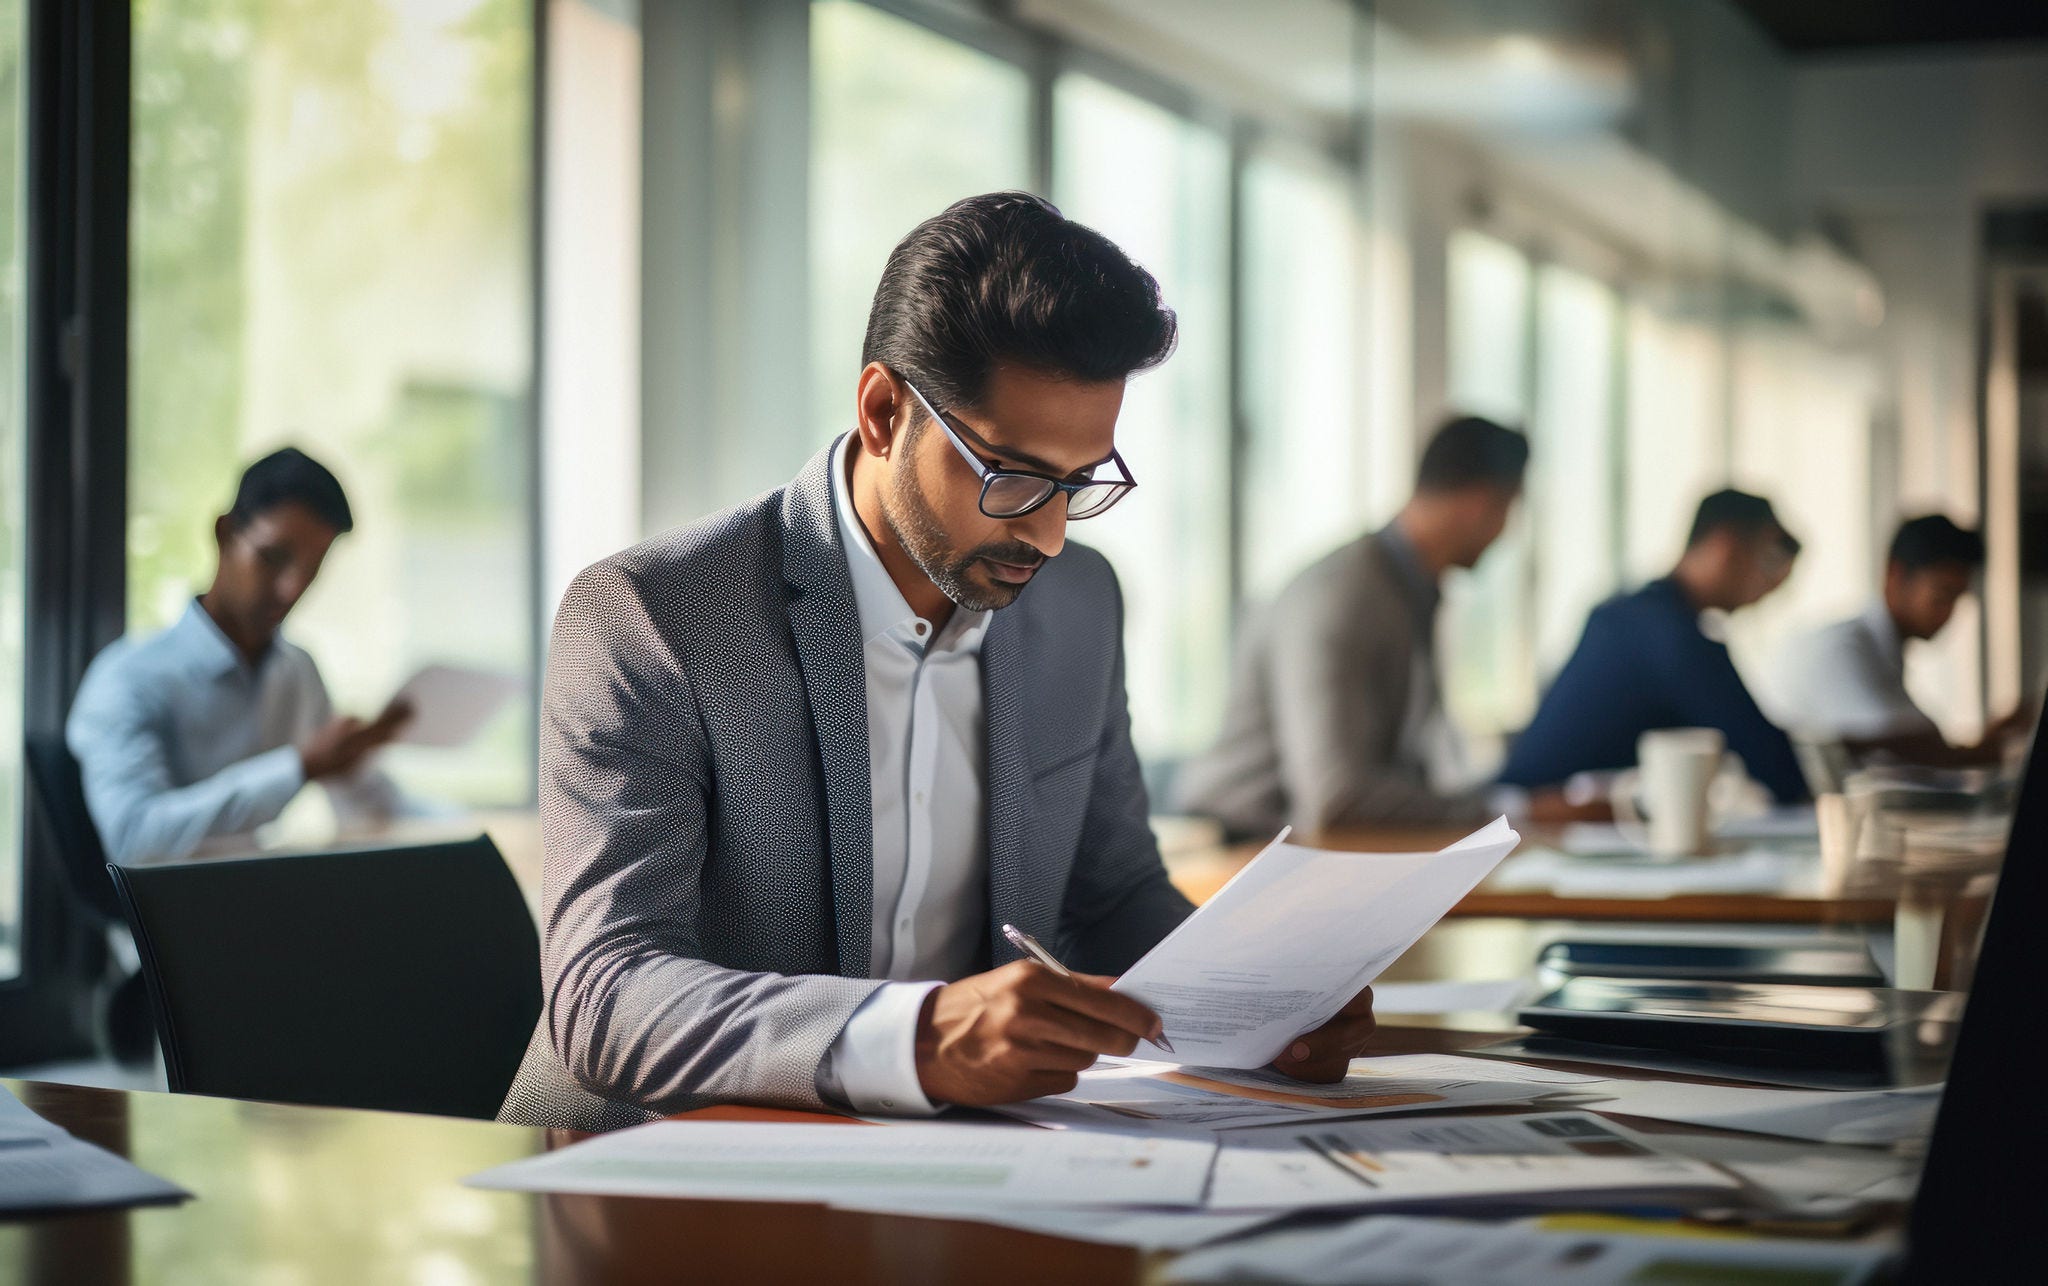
x: 1006, y: 702
x: 826, y: 626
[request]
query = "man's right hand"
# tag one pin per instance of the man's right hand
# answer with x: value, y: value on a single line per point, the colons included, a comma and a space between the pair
x: 1020, y: 1032
x: 338, y: 746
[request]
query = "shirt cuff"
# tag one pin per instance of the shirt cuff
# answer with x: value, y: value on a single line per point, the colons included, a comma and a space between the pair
x: 872, y: 1066
x: 268, y: 781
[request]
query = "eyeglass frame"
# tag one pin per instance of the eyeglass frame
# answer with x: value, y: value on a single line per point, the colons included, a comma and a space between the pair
x: 989, y: 474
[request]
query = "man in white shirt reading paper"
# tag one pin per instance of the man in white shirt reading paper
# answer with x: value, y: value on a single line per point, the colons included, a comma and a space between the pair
x: 1847, y: 682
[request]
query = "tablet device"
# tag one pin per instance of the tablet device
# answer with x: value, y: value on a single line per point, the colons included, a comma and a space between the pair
x: 1843, y: 1027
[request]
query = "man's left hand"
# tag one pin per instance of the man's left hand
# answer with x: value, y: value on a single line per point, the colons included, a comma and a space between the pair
x: 1324, y: 1055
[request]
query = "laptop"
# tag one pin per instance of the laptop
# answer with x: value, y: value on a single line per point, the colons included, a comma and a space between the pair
x: 1984, y: 1190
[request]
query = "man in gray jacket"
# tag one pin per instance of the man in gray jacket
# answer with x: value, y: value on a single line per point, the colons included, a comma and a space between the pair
x: 1335, y: 715
x: 802, y: 760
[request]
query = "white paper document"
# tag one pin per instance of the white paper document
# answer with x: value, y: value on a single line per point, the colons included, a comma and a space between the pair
x: 947, y: 1163
x: 1448, y: 997
x: 452, y: 703
x: 1805, y: 1180
x: 1121, y: 1093
x: 1410, y: 1251
x: 1547, y: 870
x: 44, y: 1168
x: 1502, y: 1159
x: 1593, y: 1054
x: 1875, y: 1117
x: 1293, y: 937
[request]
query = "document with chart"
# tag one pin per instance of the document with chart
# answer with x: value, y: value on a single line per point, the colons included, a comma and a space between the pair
x: 1299, y: 932
x: 1121, y: 1092
x: 1447, y: 1158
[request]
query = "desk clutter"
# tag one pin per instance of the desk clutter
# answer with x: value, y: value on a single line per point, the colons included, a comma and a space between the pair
x: 1285, y: 1182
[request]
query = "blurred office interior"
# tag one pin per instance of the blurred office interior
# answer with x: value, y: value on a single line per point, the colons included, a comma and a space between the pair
x: 540, y: 279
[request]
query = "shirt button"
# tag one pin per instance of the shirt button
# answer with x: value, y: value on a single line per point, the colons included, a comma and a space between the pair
x: 919, y: 797
x: 888, y: 1105
x: 903, y: 926
x: 921, y: 628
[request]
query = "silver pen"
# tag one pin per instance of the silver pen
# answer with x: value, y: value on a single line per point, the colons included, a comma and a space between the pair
x: 1030, y: 946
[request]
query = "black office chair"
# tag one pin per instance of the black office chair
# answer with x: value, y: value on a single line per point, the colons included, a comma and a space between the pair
x: 121, y: 1022
x: 59, y: 792
x: 406, y: 979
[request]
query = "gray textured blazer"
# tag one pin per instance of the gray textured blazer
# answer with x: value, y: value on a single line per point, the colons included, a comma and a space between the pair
x: 704, y: 802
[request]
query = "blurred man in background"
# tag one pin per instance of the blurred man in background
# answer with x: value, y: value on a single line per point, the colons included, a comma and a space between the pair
x: 1645, y: 661
x: 1335, y: 714
x: 1847, y: 682
x: 211, y: 727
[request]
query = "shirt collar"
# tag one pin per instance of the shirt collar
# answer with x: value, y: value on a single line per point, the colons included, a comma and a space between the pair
x: 883, y: 609
x: 209, y: 651
x: 1421, y: 588
x: 1884, y: 631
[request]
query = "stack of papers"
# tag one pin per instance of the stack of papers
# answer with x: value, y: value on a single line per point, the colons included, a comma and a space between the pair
x: 44, y: 1168
x: 1548, y: 870
x: 1073, y: 1178
x: 1871, y: 1117
x: 1408, y: 1250
x: 1120, y: 1092
x: 1493, y: 1160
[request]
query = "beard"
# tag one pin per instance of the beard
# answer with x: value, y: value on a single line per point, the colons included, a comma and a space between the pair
x: 917, y: 530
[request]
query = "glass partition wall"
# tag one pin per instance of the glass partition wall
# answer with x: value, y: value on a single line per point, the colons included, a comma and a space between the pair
x: 330, y: 248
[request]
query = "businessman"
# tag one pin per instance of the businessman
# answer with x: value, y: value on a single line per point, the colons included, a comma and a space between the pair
x: 1847, y: 681
x: 209, y: 728
x: 1336, y: 715
x: 1645, y: 661
x: 801, y: 760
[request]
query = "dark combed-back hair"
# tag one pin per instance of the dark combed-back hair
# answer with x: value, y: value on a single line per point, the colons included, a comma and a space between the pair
x: 290, y: 476
x: 1469, y: 451
x: 1934, y: 541
x: 1741, y: 513
x: 1006, y: 277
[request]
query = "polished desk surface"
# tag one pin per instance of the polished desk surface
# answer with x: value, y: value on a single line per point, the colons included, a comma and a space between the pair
x: 1199, y: 875
x: 308, y: 1196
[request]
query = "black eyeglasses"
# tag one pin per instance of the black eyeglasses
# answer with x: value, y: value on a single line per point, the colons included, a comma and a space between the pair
x: 1013, y: 493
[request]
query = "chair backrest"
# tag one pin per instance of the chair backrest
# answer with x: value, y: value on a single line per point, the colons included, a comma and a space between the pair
x: 399, y: 978
x: 60, y: 793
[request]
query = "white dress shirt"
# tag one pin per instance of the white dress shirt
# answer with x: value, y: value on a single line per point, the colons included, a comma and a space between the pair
x: 1847, y: 681
x: 927, y: 768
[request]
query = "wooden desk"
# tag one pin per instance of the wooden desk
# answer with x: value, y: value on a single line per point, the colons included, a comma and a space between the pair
x: 1199, y: 877
x: 314, y: 1196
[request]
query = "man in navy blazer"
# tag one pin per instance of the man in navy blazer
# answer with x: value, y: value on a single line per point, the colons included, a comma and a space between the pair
x: 800, y: 761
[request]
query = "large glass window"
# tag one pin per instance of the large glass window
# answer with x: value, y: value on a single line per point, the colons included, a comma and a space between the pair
x: 330, y: 248
x: 904, y: 122
x: 1306, y: 454
x: 1490, y: 673
x: 1801, y: 435
x: 1158, y: 185
x: 12, y: 530
x: 1676, y: 435
x: 1572, y: 491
